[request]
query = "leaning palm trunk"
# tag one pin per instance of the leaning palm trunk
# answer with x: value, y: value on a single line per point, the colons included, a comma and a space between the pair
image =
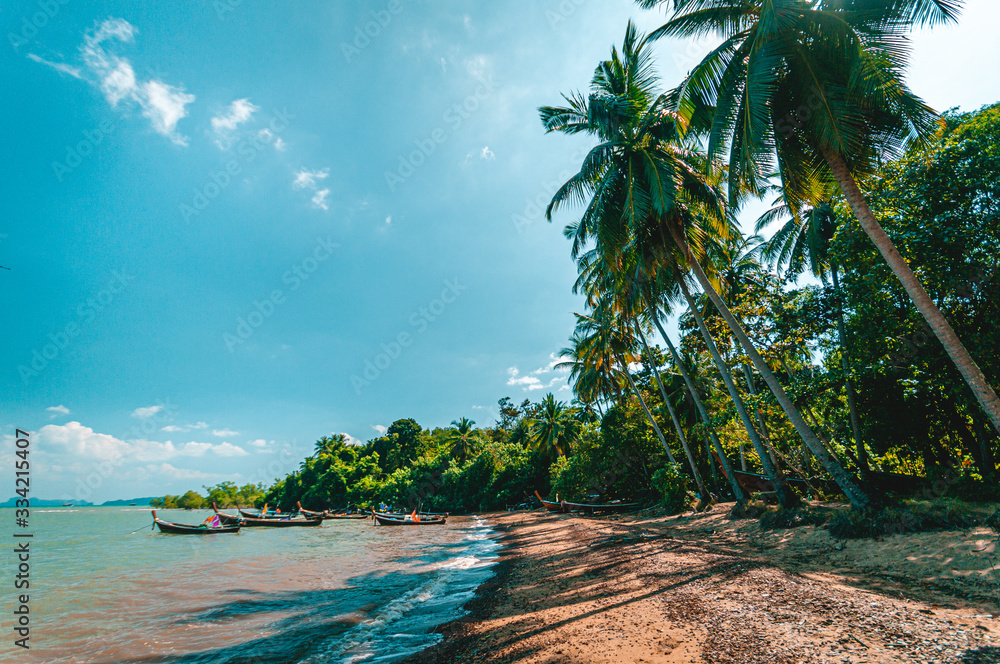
x: 673, y: 416
x: 764, y: 435
x: 785, y: 495
x: 845, y: 363
x: 652, y: 420
x: 854, y: 493
x: 970, y: 371
x: 738, y: 493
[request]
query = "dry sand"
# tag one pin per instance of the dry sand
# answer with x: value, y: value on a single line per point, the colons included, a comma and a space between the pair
x: 578, y: 590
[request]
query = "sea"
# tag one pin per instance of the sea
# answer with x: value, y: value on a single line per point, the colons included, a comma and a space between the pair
x: 106, y: 588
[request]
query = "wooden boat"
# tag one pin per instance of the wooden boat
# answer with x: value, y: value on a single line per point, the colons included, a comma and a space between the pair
x: 754, y: 483
x: 185, y: 529
x: 327, y: 514
x: 594, y: 509
x: 229, y: 519
x: 383, y: 519
x: 268, y: 515
x: 549, y: 505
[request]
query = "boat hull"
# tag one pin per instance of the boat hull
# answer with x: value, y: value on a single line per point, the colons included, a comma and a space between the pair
x: 391, y: 520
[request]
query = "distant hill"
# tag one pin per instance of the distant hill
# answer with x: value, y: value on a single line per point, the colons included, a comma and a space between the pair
x: 45, y: 502
x: 142, y: 502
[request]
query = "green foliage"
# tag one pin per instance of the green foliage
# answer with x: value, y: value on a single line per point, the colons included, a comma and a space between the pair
x: 672, y: 484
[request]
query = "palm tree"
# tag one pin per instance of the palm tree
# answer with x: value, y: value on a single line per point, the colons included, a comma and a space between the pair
x: 555, y: 428
x: 640, y: 181
x: 819, y: 85
x: 328, y: 445
x: 802, y: 241
x: 463, y: 438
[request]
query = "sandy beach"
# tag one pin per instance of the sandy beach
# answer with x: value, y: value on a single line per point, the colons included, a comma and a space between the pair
x: 707, y: 589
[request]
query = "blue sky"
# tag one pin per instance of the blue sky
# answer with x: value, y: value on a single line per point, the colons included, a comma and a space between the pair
x: 235, y: 227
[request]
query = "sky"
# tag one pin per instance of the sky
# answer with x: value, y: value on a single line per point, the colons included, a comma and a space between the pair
x: 235, y: 227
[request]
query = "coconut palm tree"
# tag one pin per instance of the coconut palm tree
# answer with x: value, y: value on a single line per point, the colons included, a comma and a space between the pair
x: 642, y: 174
x: 463, y: 439
x: 328, y: 445
x: 818, y: 87
x: 555, y: 428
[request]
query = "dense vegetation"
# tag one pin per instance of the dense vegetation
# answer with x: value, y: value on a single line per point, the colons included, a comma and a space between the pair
x: 880, y: 360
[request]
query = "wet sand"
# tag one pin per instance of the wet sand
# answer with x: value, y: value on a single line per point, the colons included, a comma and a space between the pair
x: 580, y: 590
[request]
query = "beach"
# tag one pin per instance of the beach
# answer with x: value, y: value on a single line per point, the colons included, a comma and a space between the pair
x: 704, y: 588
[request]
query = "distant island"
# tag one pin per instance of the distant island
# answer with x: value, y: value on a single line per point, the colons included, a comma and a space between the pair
x: 57, y: 502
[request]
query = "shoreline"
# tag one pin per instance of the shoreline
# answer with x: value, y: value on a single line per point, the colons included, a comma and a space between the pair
x: 702, y: 588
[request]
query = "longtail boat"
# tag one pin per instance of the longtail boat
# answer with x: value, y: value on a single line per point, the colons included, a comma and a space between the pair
x: 264, y: 515
x: 549, y: 505
x: 327, y: 514
x: 383, y: 519
x: 753, y: 482
x: 229, y: 519
x: 185, y: 529
x: 594, y: 509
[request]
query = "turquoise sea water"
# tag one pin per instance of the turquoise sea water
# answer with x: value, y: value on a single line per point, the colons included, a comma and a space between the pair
x: 347, y: 591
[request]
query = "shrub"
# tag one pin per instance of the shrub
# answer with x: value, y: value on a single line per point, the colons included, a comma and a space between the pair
x: 673, y: 487
x: 909, y: 517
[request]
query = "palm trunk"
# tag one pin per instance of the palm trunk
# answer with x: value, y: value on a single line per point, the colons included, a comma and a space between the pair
x: 845, y: 363
x: 764, y: 435
x: 785, y: 495
x: 703, y: 413
x: 854, y: 493
x: 652, y: 420
x: 673, y: 416
x: 970, y: 371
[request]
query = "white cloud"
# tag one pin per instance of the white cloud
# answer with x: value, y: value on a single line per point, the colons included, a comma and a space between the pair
x: 528, y: 382
x: 380, y: 429
x: 351, y: 440
x: 319, y: 199
x: 186, y: 427
x: 225, y: 124
x: 280, y: 145
x: 388, y: 219
x: 260, y: 443
x: 540, y: 378
x: 239, y: 112
x: 229, y: 450
x: 57, y: 411
x: 306, y: 178
x: 223, y: 433
x: 147, y: 412
x: 74, y: 439
x: 58, y: 66
x: 163, y: 104
x: 487, y: 154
